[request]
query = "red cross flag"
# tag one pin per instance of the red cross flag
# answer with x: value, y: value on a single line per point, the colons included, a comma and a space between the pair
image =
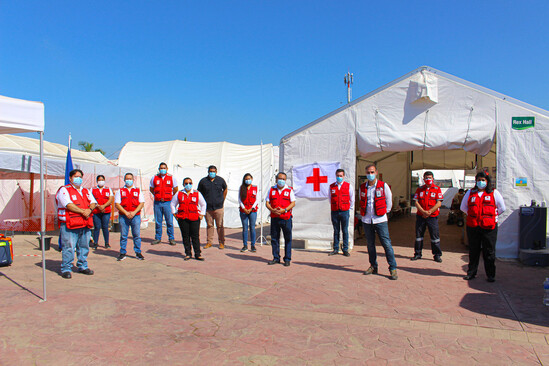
x: 313, y: 180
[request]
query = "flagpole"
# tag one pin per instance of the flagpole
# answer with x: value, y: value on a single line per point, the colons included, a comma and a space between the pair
x: 261, y: 238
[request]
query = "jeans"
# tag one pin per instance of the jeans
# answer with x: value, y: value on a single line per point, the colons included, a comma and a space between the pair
x: 163, y: 209
x: 278, y: 224
x: 190, y: 231
x: 248, y: 218
x: 135, y: 224
x: 340, y: 221
x: 101, y: 221
x: 382, y: 230
x: 74, y: 240
x: 421, y: 224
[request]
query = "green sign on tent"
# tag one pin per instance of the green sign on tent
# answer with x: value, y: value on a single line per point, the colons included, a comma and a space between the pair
x: 522, y: 123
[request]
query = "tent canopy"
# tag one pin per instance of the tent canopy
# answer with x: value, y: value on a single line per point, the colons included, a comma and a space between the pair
x: 17, y: 116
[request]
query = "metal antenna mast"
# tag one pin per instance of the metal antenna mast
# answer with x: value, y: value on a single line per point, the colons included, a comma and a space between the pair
x: 348, y: 80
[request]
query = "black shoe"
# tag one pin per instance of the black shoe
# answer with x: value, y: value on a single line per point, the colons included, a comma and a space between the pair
x: 335, y: 252
x: 107, y: 246
x: 415, y: 257
x: 244, y: 249
x: 371, y: 270
x: 469, y: 277
x: 274, y: 261
x: 199, y: 258
x: 491, y: 279
x: 121, y: 257
x: 286, y: 263
x: 172, y: 242
x: 346, y: 254
x: 155, y: 241
x: 66, y: 275
x: 139, y: 256
x: 438, y: 259
x: 253, y: 250
x: 86, y: 271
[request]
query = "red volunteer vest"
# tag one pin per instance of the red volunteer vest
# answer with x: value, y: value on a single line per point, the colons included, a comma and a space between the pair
x: 188, y: 206
x: 380, y: 206
x: 427, y: 197
x: 280, y: 200
x: 101, y: 195
x: 482, y: 211
x: 129, y: 199
x: 60, y: 210
x: 75, y: 220
x: 250, y: 199
x: 340, y: 198
x: 163, y: 188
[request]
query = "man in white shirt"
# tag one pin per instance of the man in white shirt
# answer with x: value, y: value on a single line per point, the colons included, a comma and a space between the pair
x: 75, y: 224
x: 341, y: 200
x: 280, y: 201
x: 376, y: 200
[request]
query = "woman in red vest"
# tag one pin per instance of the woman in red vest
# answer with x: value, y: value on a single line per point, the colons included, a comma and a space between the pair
x: 102, y: 213
x: 248, y: 202
x: 482, y: 205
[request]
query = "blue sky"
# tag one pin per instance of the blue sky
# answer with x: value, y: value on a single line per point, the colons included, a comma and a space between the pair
x: 241, y: 71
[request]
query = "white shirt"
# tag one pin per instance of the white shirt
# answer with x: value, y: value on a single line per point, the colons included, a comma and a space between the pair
x: 370, y: 217
x: 292, y: 194
x: 63, y: 198
x: 256, y: 203
x: 174, y: 180
x: 118, y: 198
x: 351, y: 193
x: 201, y: 202
x: 500, y: 205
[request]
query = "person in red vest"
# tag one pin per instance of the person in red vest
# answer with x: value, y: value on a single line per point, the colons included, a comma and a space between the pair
x: 102, y: 213
x: 188, y: 206
x: 129, y: 201
x: 428, y: 199
x: 376, y: 200
x: 482, y: 205
x: 75, y: 224
x: 341, y: 200
x: 163, y: 186
x: 247, y: 199
x: 280, y: 201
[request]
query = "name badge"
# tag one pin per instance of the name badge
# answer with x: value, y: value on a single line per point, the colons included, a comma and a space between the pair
x: 378, y: 193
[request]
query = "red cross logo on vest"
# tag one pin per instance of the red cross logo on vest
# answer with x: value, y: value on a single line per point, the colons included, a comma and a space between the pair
x: 316, y: 179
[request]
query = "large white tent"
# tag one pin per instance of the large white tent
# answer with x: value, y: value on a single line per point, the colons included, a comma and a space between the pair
x: 191, y: 159
x: 426, y: 119
x: 17, y: 116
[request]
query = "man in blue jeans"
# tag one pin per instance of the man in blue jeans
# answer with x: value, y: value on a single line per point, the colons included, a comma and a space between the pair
x: 163, y: 186
x: 280, y: 201
x: 375, y: 202
x: 129, y: 201
x: 341, y: 201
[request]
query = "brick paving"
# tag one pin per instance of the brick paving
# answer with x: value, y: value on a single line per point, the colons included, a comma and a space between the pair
x: 233, y: 309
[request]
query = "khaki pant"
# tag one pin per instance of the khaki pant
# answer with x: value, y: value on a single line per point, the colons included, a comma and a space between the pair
x: 216, y: 215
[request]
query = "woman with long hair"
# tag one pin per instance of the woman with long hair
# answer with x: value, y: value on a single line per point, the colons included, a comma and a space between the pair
x: 482, y: 205
x: 247, y: 199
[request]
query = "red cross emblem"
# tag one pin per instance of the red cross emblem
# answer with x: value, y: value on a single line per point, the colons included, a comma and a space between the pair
x: 316, y: 179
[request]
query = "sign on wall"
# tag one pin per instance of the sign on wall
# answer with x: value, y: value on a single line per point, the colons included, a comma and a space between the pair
x: 522, y: 123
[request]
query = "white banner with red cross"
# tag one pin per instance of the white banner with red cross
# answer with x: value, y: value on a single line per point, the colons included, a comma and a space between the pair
x: 313, y: 180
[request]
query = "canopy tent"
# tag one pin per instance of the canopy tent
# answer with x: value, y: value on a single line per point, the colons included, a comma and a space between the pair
x: 17, y: 116
x: 191, y: 159
x: 426, y: 119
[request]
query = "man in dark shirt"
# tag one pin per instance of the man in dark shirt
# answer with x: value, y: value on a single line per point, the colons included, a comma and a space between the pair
x: 214, y: 190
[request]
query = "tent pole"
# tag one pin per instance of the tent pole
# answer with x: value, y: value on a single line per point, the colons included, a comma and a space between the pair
x: 261, y: 238
x: 42, y: 215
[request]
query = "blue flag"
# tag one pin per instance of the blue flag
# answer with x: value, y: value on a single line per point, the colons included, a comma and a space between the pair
x: 68, y: 166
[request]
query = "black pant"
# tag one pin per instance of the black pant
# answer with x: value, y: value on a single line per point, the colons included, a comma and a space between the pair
x: 482, y: 240
x: 421, y: 224
x: 189, y: 232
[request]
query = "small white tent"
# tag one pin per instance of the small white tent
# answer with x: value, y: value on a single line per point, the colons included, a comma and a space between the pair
x: 191, y: 159
x: 426, y: 119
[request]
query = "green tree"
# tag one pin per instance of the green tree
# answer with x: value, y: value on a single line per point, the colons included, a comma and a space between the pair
x: 88, y: 146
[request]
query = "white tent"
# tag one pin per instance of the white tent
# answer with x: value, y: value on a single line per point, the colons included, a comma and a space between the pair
x: 426, y: 119
x: 17, y: 116
x: 191, y: 159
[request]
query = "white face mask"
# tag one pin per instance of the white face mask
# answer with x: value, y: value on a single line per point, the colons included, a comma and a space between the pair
x: 101, y: 183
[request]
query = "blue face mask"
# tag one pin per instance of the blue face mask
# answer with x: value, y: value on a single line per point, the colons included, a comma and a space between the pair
x: 281, y: 183
x: 129, y: 182
x: 339, y: 179
x: 481, y: 184
x: 163, y: 171
x: 371, y: 177
x: 211, y: 174
x: 77, y: 181
x: 188, y: 187
x: 248, y: 181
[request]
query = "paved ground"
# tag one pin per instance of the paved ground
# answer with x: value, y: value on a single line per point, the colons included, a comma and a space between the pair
x: 233, y: 309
